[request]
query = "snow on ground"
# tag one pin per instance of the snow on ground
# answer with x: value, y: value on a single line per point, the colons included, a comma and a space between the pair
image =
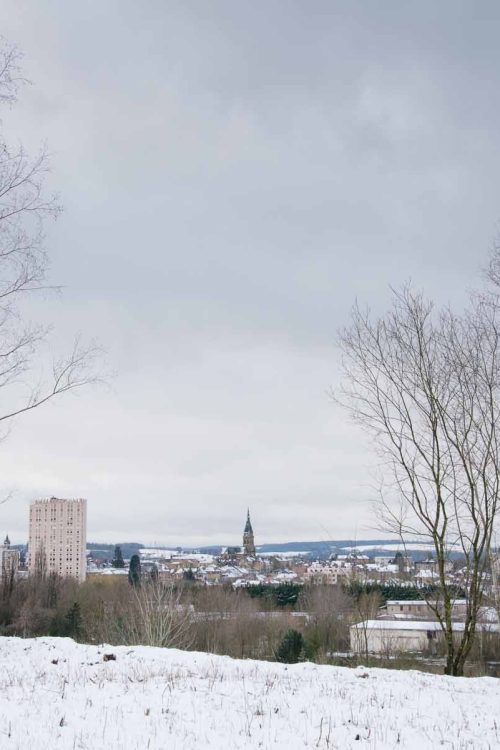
x: 58, y: 694
x: 394, y: 547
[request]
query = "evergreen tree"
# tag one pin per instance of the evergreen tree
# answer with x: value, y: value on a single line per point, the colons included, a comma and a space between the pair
x: 118, y: 561
x: 286, y: 593
x: 73, y: 621
x: 134, y: 571
x: 291, y: 648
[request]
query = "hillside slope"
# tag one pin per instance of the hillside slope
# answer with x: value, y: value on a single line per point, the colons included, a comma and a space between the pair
x: 59, y: 694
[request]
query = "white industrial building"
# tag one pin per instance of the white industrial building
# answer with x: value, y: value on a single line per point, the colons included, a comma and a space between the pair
x: 397, y: 636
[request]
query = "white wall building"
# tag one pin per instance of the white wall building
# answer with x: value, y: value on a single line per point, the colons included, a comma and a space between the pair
x: 419, y: 609
x: 326, y: 573
x: 58, y: 537
x: 392, y: 637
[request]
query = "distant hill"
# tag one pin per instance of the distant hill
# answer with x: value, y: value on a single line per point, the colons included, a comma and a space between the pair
x: 323, y: 547
x: 315, y: 549
x: 99, y: 549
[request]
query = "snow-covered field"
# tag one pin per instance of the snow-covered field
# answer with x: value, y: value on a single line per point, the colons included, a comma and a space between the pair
x: 58, y: 694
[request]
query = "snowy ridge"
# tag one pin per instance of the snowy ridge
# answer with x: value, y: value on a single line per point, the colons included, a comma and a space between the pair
x: 58, y: 694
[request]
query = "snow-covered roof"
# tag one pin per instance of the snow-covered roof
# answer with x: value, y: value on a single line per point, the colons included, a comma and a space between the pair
x: 283, y: 555
x: 398, y: 602
x: 109, y: 571
x: 488, y: 614
x: 426, y: 573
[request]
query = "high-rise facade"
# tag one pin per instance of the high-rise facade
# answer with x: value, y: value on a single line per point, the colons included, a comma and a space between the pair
x: 58, y: 537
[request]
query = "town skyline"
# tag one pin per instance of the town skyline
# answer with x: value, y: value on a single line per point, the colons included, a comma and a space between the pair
x: 248, y: 536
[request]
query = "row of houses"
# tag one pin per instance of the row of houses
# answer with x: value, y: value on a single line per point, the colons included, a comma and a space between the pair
x: 356, y: 567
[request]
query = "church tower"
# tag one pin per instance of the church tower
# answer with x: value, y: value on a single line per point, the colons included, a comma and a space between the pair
x: 248, y: 541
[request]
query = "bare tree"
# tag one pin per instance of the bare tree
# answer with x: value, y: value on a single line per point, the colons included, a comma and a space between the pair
x: 493, y: 267
x: 40, y: 562
x: 329, y: 608
x: 366, y: 607
x: 425, y: 385
x: 24, y: 208
x: 157, y: 616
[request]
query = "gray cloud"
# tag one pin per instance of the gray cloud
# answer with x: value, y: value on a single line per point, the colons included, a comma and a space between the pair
x: 234, y: 175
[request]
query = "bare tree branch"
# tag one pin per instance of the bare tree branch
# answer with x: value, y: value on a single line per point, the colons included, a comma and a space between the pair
x: 24, y: 208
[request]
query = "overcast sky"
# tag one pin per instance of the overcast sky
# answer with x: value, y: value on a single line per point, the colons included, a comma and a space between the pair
x: 234, y: 175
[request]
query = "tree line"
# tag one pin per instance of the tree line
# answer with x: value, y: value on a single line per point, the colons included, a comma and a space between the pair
x: 215, y: 619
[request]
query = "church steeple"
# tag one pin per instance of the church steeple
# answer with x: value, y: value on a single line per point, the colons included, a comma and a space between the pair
x: 248, y: 525
x: 248, y: 539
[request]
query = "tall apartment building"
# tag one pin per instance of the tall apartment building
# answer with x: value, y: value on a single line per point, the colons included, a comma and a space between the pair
x: 58, y: 537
